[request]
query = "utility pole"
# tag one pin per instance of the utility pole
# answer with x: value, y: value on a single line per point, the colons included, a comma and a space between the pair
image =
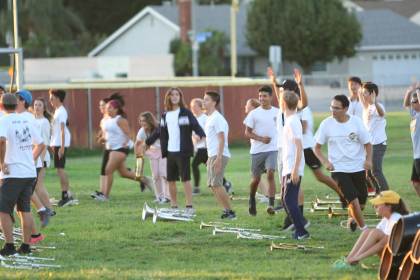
x: 195, y: 44
x: 233, y: 53
x: 17, y: 56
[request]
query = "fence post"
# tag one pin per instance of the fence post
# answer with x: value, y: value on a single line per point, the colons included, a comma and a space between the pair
x: 222, y: 104
x: 157, y: 98
x: 90, y: 128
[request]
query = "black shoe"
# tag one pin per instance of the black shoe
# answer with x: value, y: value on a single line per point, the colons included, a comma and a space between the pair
x: 270, y: 210
x: 287, y: 224
x: 142, y: 186
x: 24, y: 249
x: 228, y: 186
x: 353, y: 225
x: 44, y: 217
x: 230, y: 215
x: 51, y: 212
x: 8, y: 250
x: 65, y: 201
x: 252, y: 207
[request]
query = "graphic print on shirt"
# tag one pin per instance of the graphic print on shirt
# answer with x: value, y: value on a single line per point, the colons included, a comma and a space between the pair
x: 24, y: 138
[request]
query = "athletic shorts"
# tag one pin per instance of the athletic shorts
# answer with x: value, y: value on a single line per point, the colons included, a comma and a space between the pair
x: 311, y: 160
x: 415, y: 173
x: 59, y: 162
x: 105, y: 158
x: 16, y: 191
x: 126, y: 151
x: 215, y: 179
x: 261, y: 162
x: 178, y: 166
x: 353, y: 185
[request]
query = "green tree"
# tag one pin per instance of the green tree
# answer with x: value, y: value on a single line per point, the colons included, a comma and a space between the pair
x: 211, y: 55
x: 308, y: 31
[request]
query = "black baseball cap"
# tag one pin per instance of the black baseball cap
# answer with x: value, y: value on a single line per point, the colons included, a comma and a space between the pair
x: 290, y: 85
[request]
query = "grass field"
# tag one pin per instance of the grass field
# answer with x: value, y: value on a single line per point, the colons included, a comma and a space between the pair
x: 109, y: 241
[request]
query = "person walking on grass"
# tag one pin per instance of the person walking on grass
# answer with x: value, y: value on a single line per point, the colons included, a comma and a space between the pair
x: 217, y: 131
x: 150, y: 125
x: 105, y: 155
x: 259, y: 124
x: 349, y: 156
x: 354, y: 85
x: 375, y: 122
x: 60, y: 141
x: 176, y: 127
x: 293, y: 164
x: 412, y: 102
x: 20, y: 146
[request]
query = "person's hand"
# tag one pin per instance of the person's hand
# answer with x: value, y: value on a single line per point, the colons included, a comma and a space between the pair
x: 374, y: 98
x: 217, y: 165
x: 4, y: 168
x: 61, y: 152
x: 329, y: 166
x: 266, y: 139
x: 298, y: 76
x: 271, y: 75
x: 295, y: 177
x: 367, y: 165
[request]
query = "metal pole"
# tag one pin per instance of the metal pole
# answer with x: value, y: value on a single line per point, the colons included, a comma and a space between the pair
x: 222, y: 100
x: 17, y: 63
x: 233, y: 52
x: 195, y: 45
x: 90, y: 125
x: 157, y: 98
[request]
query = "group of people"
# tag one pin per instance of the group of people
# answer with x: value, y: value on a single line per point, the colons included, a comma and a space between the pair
x: 28, y: 134
x: 355, y: 136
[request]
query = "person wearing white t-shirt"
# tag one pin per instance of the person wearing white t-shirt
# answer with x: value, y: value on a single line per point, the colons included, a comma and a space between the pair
x: 217, y: 130
x: 60, y: 141
x: 375, y: 122
x: 349, y: 156
x: 355, y: 106
x: 20, y: 146
x: 293, y: 164
x: 389, y: 206
x: 259, y: 124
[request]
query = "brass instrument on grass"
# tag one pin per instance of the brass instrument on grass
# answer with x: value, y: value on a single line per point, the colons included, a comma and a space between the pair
x: 225, y: 226
x: 291, y: 246
x: 257, y: 236
x: 165, y: 214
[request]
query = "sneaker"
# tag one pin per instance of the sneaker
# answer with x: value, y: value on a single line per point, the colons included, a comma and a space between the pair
x: 101, y: 198
x: 353, y: 225
x: 36, y: 240
x: 65, y: 201
x: 228, y: 186
x: 341, y: 264
x: 307, y: 224
x: 24, y: 250
x: 270, y: 210
x: 8, y: 251
x: 164, y: 200
x: 196, y: 191
x: 303, y: 237
x: 95, y: 194
x: 44, y: 217
x: 288, y: 224
x: 230, y: 215
x: 189, y: 211
x: 51, y: 212
x: 142, y: 186
x: 252, y: 207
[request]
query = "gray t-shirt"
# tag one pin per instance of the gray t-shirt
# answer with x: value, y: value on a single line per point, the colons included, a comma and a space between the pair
x: 415, y: 132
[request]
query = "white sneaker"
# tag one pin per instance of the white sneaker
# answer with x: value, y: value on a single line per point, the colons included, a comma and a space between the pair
x: 190, y: 211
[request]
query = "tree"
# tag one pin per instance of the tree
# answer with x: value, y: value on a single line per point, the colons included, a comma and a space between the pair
x: 308, y: 31
x: 211, y: 55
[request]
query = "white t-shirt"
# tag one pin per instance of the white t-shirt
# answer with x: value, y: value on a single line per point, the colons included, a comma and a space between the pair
x: 115, y: 138
x: 20, y: 135
x: 201, y: 144
x: 355, y: 108
x: 385, y: 225
x: 1, y: 113
x: 292, y: 130
x: 215, y: 124
x: 346, y: 143
x: 375, y: 124
x: 280, y: 119
x: 142, y: 136
x: 60, y: 117
x: 263, y: 123
x: 44, y: 127
x: 308, y: 136
x: 172, y: 121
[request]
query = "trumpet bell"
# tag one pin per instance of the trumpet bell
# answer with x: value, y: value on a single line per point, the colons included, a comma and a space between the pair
x: 171, y: 216
x: 147, y: 212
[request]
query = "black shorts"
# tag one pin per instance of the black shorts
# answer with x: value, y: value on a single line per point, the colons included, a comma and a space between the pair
x: 105, y: 158
x: 178, y: 166
x: 415, y: 173
x: 16, y: 191
x: 353, y: 185
x: 59, y: 162
x: 311, y: 160
x: 126, y: 151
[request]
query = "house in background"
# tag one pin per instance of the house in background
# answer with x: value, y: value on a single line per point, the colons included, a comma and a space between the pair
x: 388, y: 54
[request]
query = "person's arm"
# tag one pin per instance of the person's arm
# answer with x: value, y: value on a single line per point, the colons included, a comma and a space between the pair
x: 123, y: 124
x: 63, y: 139
x: 139, y: 148
x: 362, y: 99
x: 379, y: 108
x: 272, y: 76
x: 251, y: 135
x: 303, y: 101
x: 318, y: 152
x: 407, y: 98
x: 195, y: 126
x: 153, y: 137
x: 3, y: 166
x: 304, y: 126
x: 298, y: 159
x: 368, y: 162
x: 220, y: 148
x: 37, y: 150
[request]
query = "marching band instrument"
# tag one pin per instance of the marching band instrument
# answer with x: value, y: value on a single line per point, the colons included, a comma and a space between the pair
x: 139, y: 168
x: 290, y: 246
x: 257, y: 236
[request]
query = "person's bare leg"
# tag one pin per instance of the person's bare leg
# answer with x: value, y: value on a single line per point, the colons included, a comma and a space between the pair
x: 327, y: 180
x: 114, y: 162
x: 64, y: 179
x: 41, y: 191
x: 222, y: 197
x: 416, y: 186
x: 356, y: 212
x: 271, y: 186
x: 358, y: 243
x: 36, y: 201
x: 371, y: 245
x: 124, y: 172
x: 254, y: 185
x: 7, y: 227
x: 27, y: 222
x: 172, y: 193
x: 188, y: 192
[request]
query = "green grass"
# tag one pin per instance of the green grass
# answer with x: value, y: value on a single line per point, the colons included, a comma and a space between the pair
x: 109, y: 241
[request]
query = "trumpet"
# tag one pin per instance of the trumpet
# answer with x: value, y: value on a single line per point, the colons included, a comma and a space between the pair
x: 316, y: 207
x: 139, y: 168
x: 171, y: 216
x: 257, y: 236
x: 225, y: 226
x: 290, y: 246
x: 332, y: 213
x: 320, y: 202
x: 212, y: 224
x: 26, y: 262
x: 217, y: 230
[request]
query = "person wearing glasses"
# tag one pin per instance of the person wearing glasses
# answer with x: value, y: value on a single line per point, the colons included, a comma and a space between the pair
x: 349, y: 155
x: 411, y: 101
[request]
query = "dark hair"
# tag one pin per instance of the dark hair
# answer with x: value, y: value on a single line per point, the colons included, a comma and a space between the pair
x: 291, y: 86
x: 150, y: 120
x: 46, y: 114
x: 343, y: 100
x: 266, y: 89
x: 401, y: 207
x: 371, y: 88
x: 215, y: 96
x: 9, y: 106
x: 115, y: 96
x: 117, y: 105
x: 26, y: 105
x: 354, y: 79
x: 59, y: 93
x: 167, y: 101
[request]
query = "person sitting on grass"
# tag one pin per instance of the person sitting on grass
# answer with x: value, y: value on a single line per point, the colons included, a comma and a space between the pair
x: 389, y: 206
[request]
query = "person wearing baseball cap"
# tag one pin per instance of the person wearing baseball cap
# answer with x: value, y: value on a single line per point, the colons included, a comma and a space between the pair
x: 389, y: 206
